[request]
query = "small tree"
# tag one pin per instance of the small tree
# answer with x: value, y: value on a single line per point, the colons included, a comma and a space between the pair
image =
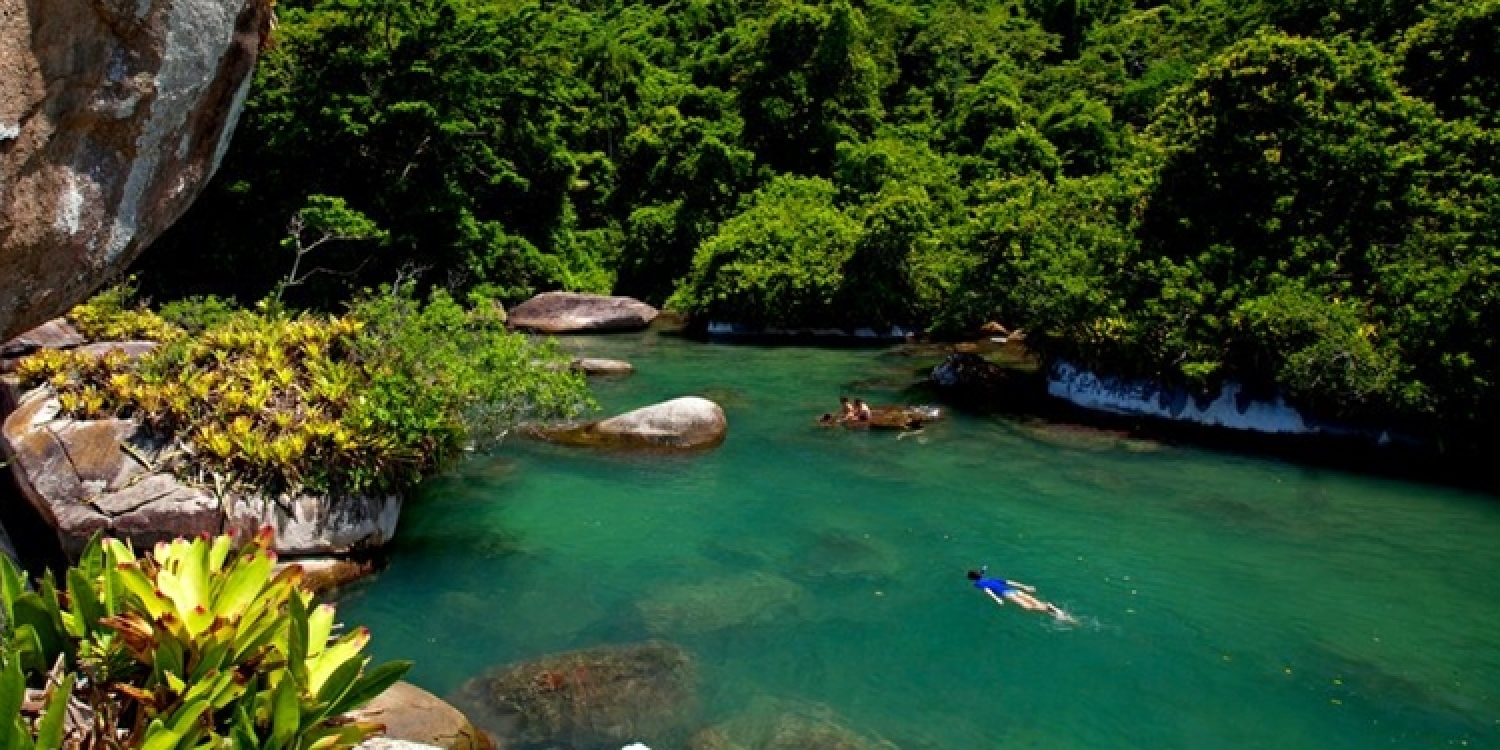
x: 323, y: 219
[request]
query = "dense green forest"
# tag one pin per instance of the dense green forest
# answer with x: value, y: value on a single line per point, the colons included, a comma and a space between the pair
x: 1301, y: 195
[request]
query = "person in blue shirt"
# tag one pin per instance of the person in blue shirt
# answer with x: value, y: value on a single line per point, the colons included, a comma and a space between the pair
x: 1001, y: 589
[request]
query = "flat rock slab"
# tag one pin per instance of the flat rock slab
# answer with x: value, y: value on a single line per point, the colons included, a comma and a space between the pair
x: 412, y: 714
x: 688, y: 423
x: 569, y: 312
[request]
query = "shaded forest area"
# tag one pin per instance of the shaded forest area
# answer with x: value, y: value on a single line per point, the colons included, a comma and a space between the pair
x: 1300, y: 195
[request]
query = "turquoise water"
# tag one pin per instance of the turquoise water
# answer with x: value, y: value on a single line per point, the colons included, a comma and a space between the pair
x: 1226, y: 601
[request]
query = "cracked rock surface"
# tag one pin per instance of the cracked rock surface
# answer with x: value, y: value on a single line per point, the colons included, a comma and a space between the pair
x: 112, y: 475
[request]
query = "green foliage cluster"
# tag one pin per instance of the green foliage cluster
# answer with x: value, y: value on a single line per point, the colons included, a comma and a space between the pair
x: 1297, y: 194
x: 367, y: 402
x: 197, y: 645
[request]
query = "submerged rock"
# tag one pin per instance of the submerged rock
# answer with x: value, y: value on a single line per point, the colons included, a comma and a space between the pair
x: 602, y: 697
x: 412, y: 714
x: 785, y: 725
x: 680, y: 424
x: 113, y: 115
x: 725, y: 602
x: 570, y: 312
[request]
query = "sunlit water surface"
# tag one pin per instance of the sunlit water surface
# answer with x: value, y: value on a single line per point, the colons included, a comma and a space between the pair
x: 1226, y: 601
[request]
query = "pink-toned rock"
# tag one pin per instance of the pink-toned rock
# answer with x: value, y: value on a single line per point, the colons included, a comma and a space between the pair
x: 112, y: 117
x: 569, y: 312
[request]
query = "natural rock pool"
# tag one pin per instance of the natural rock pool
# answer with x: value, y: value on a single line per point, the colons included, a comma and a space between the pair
x: 1227, y: 601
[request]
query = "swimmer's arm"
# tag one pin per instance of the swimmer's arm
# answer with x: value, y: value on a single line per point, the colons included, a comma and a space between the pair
x: 996, y: 597
x: 1028, y: 588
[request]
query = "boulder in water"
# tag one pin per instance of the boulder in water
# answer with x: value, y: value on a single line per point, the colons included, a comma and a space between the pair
x: 602, y: 697
x: 680, y: 424
x: 570, y: 312
x: 597, y: 366
x: 412, y: 714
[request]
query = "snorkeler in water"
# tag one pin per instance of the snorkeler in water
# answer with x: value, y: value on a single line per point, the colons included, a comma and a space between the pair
x: 1001, y: 589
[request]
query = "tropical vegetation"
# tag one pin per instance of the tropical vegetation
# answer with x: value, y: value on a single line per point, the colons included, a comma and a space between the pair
x: 1299, y: 195
x: 195, y: 645
x: 370, y: 401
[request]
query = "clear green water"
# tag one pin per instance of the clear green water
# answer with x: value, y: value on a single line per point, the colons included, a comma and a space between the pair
x: 1228, y: 602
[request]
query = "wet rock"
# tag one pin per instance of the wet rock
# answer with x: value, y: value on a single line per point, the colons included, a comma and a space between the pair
x: 315, y: 525
x: 785, y: 725
x: 113, y: 115
x: 386, y: 743
x: 973, y: 380
x: 412, y: 714
x: 569, y: 312
x: 604, y: 697
x: 680, y: 424
x: 967, y: 371
x: 725, y: 602
x: 324, y: 574
x: 596, y: 366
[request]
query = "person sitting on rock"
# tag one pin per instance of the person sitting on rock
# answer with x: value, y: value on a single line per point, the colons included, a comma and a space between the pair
x: 1001, y: 589
x: 846, y: 410
x: 861, y: 410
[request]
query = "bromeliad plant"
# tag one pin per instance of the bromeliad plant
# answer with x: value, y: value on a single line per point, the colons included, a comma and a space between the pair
x: 365, y: 403
x: 197, y: 645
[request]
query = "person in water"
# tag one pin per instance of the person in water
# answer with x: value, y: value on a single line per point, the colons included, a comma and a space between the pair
x: 1001, y: 589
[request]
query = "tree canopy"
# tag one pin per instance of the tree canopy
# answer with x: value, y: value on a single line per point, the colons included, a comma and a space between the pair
x: 1299, y: 195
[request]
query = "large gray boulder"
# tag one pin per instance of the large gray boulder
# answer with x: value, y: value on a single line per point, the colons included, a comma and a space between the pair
x: 570, y: 312
x: 680, y: 424
x: 113, y: 475
x: 113, y: 115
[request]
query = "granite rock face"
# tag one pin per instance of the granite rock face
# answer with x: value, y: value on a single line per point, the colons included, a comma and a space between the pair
x: 113, y: 115
x: 570, y: 312
x: 112, y: 475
